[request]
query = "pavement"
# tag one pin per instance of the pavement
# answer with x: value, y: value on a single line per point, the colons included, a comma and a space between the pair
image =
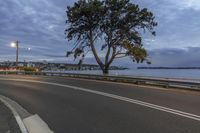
x: 71, y: 105
x: 8, y: 123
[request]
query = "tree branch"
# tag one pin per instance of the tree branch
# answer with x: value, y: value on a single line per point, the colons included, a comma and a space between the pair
x: 94, y: 50
x: 112, y: 57
x: 107, y: 55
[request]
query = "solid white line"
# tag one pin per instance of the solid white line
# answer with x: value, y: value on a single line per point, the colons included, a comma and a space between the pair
x: 16, y: 115
x: 138, y: 102
x: 30, y: 124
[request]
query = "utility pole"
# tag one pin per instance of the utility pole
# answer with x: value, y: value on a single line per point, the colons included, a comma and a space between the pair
x: 17, y: 52
x: 16, y: 45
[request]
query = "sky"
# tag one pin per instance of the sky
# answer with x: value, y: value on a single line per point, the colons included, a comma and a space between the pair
x: 40, y: 25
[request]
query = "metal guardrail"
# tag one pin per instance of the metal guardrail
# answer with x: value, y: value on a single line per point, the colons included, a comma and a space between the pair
x: 162, y: 82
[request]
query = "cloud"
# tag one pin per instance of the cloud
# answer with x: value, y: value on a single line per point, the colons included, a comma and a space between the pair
x: 171, y: 57
x: 186, y: 57
x: 178, y: 23
x: 40, y: 24
x: 35, y: 24
x: 186, y: 4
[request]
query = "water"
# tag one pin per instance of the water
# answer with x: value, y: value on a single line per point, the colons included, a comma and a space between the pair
x: 163, y: 73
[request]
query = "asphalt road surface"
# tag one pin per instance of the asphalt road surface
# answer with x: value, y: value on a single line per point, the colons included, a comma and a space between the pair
x: 70, y: 105
x: 8, y: 123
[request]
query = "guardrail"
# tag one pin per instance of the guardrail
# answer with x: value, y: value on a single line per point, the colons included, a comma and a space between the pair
x: 162, y: 82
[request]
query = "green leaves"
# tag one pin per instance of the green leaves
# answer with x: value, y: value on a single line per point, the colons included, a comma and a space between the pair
x: 82, y: 17
x: 136, y: 52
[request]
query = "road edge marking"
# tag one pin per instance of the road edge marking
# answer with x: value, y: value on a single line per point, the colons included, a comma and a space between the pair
x: 29, y: 124
x: 15, y: 114
x: 121, y: 98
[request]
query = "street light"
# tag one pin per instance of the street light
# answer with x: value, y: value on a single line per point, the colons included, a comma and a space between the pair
x: 16, y: 45
x: 13, y: 45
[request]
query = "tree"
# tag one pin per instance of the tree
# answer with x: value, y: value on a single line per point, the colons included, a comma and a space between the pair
x: 119, y: 25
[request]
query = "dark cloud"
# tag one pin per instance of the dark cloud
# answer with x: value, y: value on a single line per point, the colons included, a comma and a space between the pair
x: 187, y: 57
x: 40, y: 25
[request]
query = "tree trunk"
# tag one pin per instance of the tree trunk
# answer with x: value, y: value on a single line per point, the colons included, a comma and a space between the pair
x: 94, y: 51
x: 105, y: 70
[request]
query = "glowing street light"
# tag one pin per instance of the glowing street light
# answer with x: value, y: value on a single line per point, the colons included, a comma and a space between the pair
x: 13, y: 44
x: 16, y: 45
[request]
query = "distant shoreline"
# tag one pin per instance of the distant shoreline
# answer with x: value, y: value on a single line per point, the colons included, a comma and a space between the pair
x: 168, y: 68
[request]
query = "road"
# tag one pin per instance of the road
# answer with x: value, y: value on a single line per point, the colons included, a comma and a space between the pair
x: 70, y: 105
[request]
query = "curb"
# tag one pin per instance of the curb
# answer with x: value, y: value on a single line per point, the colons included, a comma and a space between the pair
x: 15, y: 114
x: 27, y: 122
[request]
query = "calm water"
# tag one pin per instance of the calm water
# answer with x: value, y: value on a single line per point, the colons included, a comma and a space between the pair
x: 165, y: 73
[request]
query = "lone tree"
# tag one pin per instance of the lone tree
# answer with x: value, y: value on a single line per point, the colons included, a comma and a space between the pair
x: 113, y: 26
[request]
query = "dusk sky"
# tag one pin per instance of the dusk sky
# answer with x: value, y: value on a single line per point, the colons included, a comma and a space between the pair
x: 40, y: 25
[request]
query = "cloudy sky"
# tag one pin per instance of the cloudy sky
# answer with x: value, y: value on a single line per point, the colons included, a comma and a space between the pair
x: 40, y: 25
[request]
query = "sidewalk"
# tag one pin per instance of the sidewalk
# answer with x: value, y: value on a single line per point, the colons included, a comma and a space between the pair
x: 8, y: 123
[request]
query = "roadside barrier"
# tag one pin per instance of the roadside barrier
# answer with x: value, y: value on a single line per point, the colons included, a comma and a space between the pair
x: 161, y: 82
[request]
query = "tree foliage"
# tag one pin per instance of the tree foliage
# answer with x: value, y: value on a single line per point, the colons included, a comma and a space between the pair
x: 119, y: 24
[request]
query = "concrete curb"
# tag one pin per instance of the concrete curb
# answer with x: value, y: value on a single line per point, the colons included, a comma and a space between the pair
x: 35, y: 124
x: 15, y: 114
x: 27, y: 122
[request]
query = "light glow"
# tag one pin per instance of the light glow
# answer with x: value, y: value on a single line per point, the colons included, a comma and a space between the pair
x: 13, y: 45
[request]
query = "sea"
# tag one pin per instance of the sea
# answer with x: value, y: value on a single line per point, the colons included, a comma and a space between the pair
x: 156, y: 73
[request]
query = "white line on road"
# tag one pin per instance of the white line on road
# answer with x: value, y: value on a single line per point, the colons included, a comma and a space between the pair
x: 138, y: 102
x: 28, y: 124
x: 16, y: 115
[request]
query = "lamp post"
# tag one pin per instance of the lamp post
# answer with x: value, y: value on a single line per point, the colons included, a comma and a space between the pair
x: 16, y: 45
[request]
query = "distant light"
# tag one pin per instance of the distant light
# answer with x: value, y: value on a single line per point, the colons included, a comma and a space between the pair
x: 13, y: 45
x: 29, y: 49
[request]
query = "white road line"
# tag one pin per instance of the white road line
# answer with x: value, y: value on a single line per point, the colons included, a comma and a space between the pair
x: 29, y: 124
x: 138, y: 102
x: 16, y: 115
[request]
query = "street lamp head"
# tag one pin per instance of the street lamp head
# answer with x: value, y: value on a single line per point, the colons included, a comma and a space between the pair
x: 13, y: 44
